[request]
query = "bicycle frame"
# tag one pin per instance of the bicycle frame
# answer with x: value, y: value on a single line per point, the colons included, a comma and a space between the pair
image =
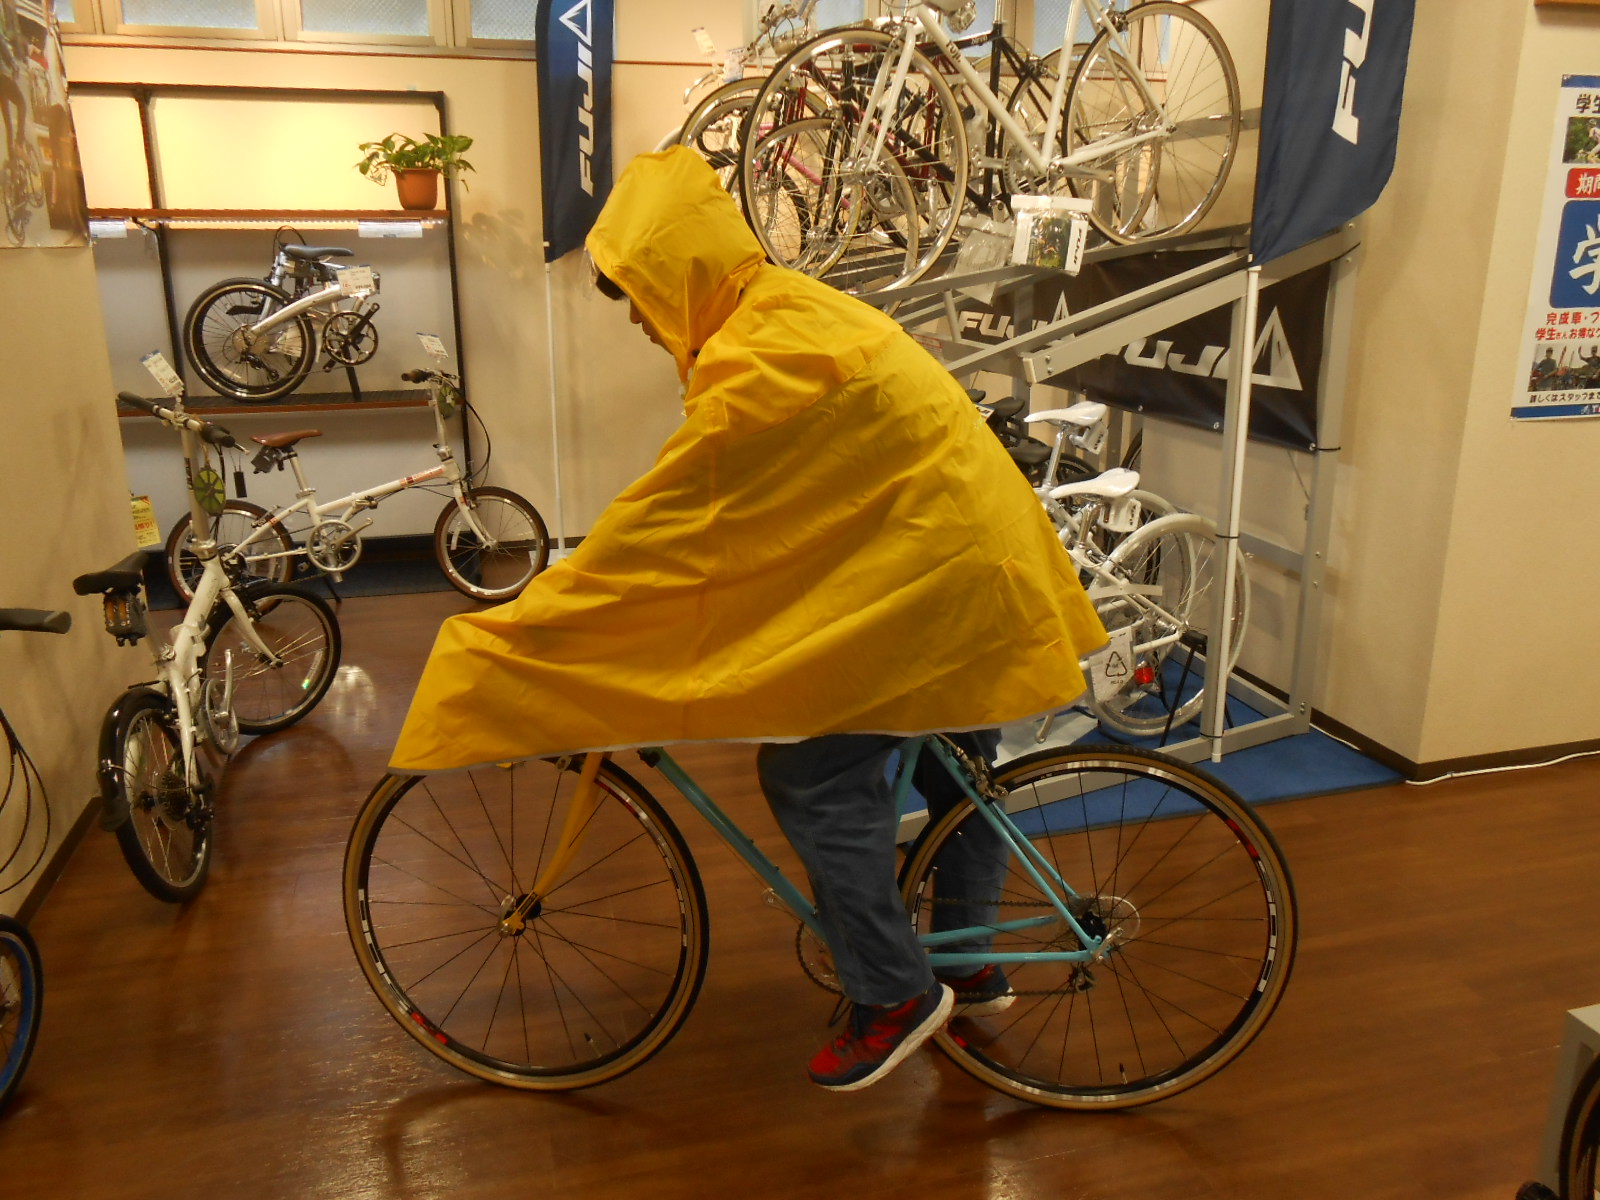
x: 346, y: 507
x: 178, y: 659
x: 1041, y: 870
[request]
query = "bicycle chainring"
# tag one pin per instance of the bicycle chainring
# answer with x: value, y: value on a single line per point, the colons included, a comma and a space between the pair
x: 350, y: 337
x: 333, y: 546
x: 817, y: 961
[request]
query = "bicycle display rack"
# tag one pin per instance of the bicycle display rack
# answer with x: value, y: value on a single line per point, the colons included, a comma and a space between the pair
x: 939, y: 312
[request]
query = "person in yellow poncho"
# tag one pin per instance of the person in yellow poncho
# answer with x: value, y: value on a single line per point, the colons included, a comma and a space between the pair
x: 831, y: 553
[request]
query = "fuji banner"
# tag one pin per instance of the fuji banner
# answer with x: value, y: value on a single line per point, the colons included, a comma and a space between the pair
x: 575, y: 47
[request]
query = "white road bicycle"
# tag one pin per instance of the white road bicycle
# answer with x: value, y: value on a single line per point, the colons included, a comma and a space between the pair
x: 246, y: 658
x: 1145, y: 126
x: 257, y: 339
x: 489, y: 541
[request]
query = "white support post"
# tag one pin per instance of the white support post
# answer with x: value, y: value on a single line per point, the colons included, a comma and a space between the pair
x: 559, y: 550
x: 1236, y: 435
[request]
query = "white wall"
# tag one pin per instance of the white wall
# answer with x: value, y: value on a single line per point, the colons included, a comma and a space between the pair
x: 65, y: 500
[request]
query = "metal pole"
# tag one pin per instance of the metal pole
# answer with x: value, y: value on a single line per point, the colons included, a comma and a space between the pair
x: 1236, y: 438
x: 559, y: 550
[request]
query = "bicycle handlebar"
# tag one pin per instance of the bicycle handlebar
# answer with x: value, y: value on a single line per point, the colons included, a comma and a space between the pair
x: 208, y: 431
x: 35, y: 620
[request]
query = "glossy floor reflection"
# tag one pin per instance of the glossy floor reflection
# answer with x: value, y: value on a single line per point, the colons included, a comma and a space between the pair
x: 231, y: 1049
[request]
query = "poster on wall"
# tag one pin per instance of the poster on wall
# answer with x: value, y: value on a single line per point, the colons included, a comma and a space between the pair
x: 42, y: 193
x: 1558, y: 374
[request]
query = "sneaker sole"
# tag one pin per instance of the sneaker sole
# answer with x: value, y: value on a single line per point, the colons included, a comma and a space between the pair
x: 911, y: 1042
x: 984, y: 1008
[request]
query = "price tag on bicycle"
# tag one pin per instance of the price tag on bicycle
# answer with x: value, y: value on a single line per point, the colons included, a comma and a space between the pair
x: 161, y: 371
x: 703, y: 40
x: 433, y: 346
x: 356, y: 281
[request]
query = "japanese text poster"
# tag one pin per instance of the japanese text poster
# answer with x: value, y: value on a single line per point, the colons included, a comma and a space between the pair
x: 1560, y: 374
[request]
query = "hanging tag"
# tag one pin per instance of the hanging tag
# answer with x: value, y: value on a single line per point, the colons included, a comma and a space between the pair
x: 703, y: 40
x: 433, y: 347
x: 146, y: 532
x: 1111, y: 668
x: 238, y: 483
x: 161, y: 371
x: 355, y: 280
x: 733, y: 68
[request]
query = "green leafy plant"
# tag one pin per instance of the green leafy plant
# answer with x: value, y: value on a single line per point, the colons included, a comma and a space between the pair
x: 397, y: 152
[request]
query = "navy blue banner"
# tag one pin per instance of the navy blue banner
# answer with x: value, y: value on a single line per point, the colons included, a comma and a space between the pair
x: 1330, y: 116
x: 575, y: 47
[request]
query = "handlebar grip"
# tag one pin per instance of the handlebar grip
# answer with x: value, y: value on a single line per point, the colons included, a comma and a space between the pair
x: 143, y: 402
x: 35, y: 620
x: 216, y: 435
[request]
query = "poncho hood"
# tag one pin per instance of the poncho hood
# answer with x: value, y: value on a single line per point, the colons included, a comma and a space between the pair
x: 832, y: 541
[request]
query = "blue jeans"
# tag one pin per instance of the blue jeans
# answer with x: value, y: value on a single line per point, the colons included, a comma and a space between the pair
x: 832, y: 800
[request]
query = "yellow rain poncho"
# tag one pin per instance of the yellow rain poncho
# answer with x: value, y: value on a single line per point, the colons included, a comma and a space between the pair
x: 832, y: 541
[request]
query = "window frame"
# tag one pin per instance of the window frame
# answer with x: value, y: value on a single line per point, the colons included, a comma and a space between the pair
x: 268, y: 27
x: 461, y: 33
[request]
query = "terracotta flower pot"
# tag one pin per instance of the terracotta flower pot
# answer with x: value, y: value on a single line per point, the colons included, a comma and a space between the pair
x: 418, y: 187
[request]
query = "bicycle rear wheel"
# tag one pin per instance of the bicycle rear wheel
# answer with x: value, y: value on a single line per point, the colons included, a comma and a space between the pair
x: 712, y: 129
x: 1169, y: 571
x: 1192, y: 894
x: 865, y: 225
x: 596, y: 977
x: 1165, y: 185
x: 493, y: 555
x: 21, y: 1002
x: 230, y: 357
x: 300, y: 629
x: 1580, y: 1139
x: 166, y: 839
x: 268, y: 558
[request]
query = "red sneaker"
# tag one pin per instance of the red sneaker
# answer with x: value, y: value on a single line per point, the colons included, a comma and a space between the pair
x: 982, y: 994
x: 876, y: 1040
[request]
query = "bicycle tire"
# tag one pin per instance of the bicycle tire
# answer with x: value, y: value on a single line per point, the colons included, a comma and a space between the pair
x: 237, y: 521
x: 166, y: 839
x: 1151, y: 844
x: 300, y: 629
x: 713, y: 127
x: 926, y: 145
x: 21, y: 1003
x: 1580, y: 1139
x: 518, y: 548
x: 609, y: 962
x: 215, y: 340
x: 1164, y: 186
x: 1171, y: 563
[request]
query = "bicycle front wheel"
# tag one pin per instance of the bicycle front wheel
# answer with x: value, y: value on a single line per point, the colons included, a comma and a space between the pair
x: 712, y: 129
x: 268, y: 558
x: 1180, y: 878
x: 1166, y: 76
x: 219, y: 335
x: 490, y: 543
x: 21, y: 1002
x: 506, y: 967
x: 1580, y: 1139
x: 1168, y: 572
x: 166, y: 840
x: 303, y: 636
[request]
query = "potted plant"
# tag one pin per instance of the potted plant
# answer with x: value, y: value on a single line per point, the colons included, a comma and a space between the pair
x: 416, y: 164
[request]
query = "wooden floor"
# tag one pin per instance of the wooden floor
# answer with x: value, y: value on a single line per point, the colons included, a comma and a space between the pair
x: 231, y: 1049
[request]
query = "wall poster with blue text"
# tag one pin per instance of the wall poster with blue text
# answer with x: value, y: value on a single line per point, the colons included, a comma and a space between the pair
x: 1559, y: 374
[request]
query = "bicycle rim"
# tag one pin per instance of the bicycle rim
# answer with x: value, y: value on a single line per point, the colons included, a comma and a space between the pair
x: 608, y: 961
x: 166, y: 840
x: 1580, y: 1139
x: 301, y: 631
x: 1194, y: 896
x: 21, y: 1001
x: 1172, y: 569
x: 513, y: 548
x: 1163, y: 186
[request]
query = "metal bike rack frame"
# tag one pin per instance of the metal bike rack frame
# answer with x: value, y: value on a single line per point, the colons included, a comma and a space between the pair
x: 1041, y: 352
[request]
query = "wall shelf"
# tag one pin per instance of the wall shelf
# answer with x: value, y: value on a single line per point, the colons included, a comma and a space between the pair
x: 247, y: 218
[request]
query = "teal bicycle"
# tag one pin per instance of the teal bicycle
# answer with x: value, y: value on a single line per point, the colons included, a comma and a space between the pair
x: 542, y: 925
